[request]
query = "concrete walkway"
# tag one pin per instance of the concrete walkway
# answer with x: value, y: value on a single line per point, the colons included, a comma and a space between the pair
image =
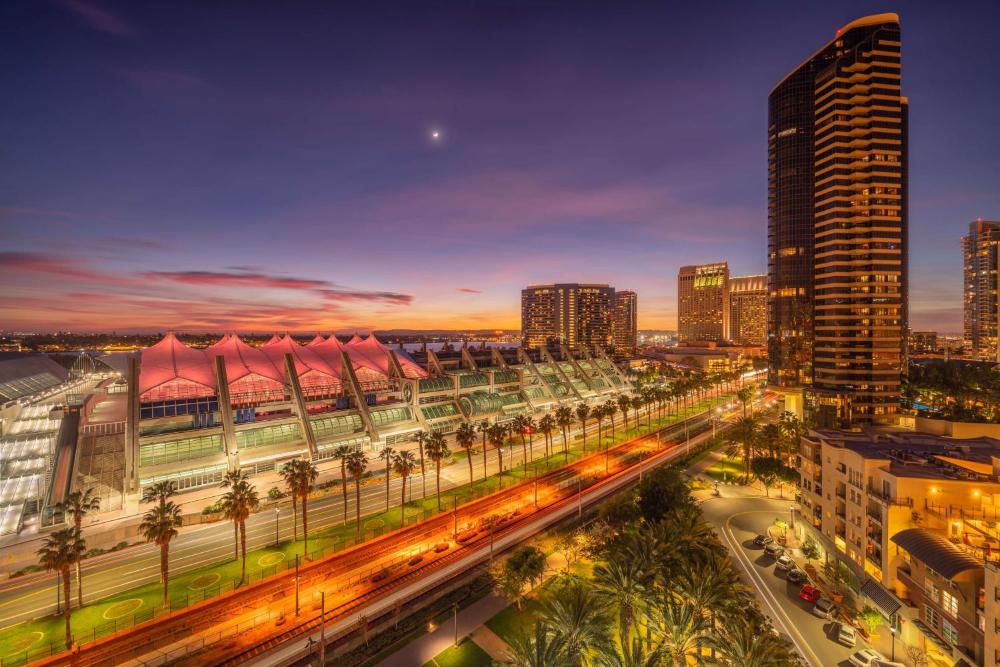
x: 424, y: 648
x: 487, y: 640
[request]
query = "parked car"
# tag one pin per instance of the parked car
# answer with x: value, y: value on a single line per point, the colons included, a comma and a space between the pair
x: 825, y: 608
x: 886, y: 663
x: 762, y: 540
x: 774, y: 550
x: 866, y: 657
x: 796, y: 576
x: 810, y: 593
x: 785, y: 562
x: 847, y: 637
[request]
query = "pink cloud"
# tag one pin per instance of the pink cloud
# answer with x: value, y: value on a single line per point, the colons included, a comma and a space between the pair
x: 237, y: 279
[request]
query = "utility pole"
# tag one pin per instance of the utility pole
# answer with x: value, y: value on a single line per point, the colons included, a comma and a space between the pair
x: 296, y: 584
x: 322, y: 629
x: 454, y: 513
x: 454, y: 611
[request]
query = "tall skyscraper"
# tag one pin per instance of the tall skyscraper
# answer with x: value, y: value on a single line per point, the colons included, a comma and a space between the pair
x: 837, y: 224
x: 979, y: 248
x: 748, y: 310
x: 703, y: 302
x: 626, y: 322
x: 572, y: 314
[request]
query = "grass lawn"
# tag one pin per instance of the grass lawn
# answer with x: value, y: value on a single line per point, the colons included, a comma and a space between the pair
x: 725, y: 470
x: 466, y: 654
x: 138, y: 605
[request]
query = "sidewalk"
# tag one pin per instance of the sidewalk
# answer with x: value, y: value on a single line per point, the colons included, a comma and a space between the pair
x: 426, y: 647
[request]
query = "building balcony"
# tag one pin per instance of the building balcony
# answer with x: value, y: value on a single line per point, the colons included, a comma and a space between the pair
x: 889, y: 500
x: 841, y: 493
x: 875, y: 514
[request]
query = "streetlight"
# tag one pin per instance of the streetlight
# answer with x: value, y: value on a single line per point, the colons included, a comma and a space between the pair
x: 715, y: 421
x: 892, y: 631
x: 277, y: 511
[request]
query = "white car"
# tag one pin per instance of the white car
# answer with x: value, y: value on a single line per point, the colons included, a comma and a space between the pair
x: 886, y: 663
x: 866, y: 657
x: 784, y: 562
x: 847, y: 637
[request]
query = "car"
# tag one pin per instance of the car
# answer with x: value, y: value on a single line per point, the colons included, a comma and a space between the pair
x: 825, y: 608
x: 796, y: 576
x: 886, y: 663
x: 762, y: 540
x: 774, y: 550
x: 866, y: 657
x: 810, y: 593
x: 847, y: 637
x: 785, y: 562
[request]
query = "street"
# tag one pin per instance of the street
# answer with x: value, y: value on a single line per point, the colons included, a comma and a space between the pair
x: 738, y: 518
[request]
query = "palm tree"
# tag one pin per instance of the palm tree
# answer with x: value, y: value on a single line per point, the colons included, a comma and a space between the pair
x: 543, y: 648
x: 610, y: 410
x: 387, y: 454
x: 681, y: 630
x: 77, y: 505
x: 484, y: 430
x: 340, y: 453
x: 524, y: 424
x: 745, y: 432
x: 578, y: 620
x: 599, y: 414
x: 238, y: 503
x: 437, y: 449
x: 636, y: 403
x: 583, y: 414
x: 621, y: 584
x: 421, y: 441
x: 624, y: 653
x: 748, y: 642
x: 465, y: 437
x: 624, y: 403
x: 745, y: 393
x: 497, y: 437
x: 59, y: 553
x: 403, y: 465
x: 159, y: 525
x: 299, y: 476
x: 357, y: 464
x: 564, y: 418
x: 231, y: 478
x: 547, y: 424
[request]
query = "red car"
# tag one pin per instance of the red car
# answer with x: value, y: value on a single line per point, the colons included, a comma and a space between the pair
x: 810, y: 593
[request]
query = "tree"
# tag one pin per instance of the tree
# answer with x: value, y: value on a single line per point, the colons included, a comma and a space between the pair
x: 660, y: 491
x: 810, y: 550
x: 238, y: 503
x: 542, y: 648
x: 484, y: 430
x: 62, y: 550
x: 599, y: 415
x: 437, y: 450
x: 583, y: 414
x: 340, y: 453
x: 159, y: 526
x: 609, y: 410
x: 357, y: 464
x: 624, y: 403
x: 525, y: 566
x: 625, y: 653
x: 564, y: 418
x: 871, y: 618
x: 768, y: 470
x: 547, y: 424
x: 465, y: 437
x: 524, y: 425
x: 749, y: 641
x: 231, y: 478
x: 578, y: 619
x: 299, y: 476
x: 497, y: 437
x: 387, y: 454
x: 681, y: 630
x: 745, y: 394
x: 403, y: 465
x: 421, y: 440
x: 620, y: 583
x: 837, y: 574
x: 78, y: 504
x: 745, y: 431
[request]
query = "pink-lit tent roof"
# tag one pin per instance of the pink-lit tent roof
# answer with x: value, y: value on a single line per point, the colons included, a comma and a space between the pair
x: 355, y: 339
x: 275, y: 338
x: 377, y: 355
x: 243, y: 360
x: 306, y: 360
x: 328, y: 349
x: 170, y: 361
x: 318, y: 340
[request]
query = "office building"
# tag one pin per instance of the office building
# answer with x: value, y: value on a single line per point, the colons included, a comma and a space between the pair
x: 626, y: 323
x: 837, y: 225
x: 703, y: 303
x: 748, y: 310
x: 980, y: 294
x: 577, y: 315
x: 923, y: 342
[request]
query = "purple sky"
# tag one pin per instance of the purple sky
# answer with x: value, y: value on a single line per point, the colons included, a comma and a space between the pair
x: 192, y: 165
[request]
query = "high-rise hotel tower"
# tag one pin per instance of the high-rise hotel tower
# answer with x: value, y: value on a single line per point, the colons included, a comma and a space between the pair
x: 837, y: 225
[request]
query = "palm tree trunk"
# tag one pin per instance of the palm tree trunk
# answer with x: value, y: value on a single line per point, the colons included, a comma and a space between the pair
x: 164, y: 560
x: 484, y: 458
x: 79, y: 583
x: 236, y: 542
x: 469, y: 458
x: 243, y: 548
x: 423, y: 473
x: 343, y: 487
x: 305, y: 527
x: 295, y: 517
x: 402, y: 503
x: 524, y: 450
x: 67, y: 612
x: 357, y: 503
x: 437, y: 480
x: 387, y: 485
x: 565, y: 449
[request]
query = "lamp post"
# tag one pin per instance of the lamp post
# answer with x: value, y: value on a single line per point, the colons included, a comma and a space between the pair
x: 715, y: 420
x: 892, y: 631
x: 276, y: 513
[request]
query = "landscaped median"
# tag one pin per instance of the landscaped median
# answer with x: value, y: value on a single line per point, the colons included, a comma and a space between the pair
x: 35, y: 639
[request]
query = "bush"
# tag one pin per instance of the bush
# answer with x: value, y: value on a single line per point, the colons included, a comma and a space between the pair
x: 214, y: 508
x: 661, y: 491
x: 275, y: 494
x: 96, y: 551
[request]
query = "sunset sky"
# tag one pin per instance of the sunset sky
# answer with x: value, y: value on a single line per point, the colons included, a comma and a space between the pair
x: 271, y: 166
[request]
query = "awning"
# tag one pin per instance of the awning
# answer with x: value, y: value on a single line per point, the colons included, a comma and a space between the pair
x: 881, y: 597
